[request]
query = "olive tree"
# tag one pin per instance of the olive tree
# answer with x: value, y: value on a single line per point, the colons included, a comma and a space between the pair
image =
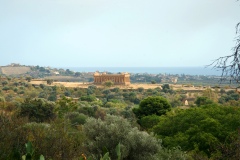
x: 38, y: 110
x: 107, y: 134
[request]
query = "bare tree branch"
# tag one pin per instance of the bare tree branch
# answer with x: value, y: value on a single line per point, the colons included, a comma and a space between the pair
x: 230, y: 65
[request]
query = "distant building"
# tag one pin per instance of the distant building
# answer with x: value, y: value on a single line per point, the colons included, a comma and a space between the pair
x: 119, y: 79
x: 174, y: 80
x: 56, y: 73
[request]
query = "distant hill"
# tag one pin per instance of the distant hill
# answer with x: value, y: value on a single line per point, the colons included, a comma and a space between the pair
x: 14, y: 70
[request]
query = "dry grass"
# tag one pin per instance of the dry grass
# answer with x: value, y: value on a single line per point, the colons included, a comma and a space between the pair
x: 64, y: 78
x: 131, y: 86
x: 15, y: 70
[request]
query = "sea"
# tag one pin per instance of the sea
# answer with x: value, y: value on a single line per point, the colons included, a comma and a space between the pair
x: 207, y: 71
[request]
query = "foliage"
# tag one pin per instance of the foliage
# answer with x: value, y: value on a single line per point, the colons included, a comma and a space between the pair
x: 52, y: 97
x: 62, y: 137
x: 201, y: 129
x: 29, y: 79
x: 115, y: 105
x: 4, y: 83
x: 210, y: 94
x: 108, y: 83
x: 76, y: 118
x: 230, y: 96
x: 65, y: 105
x: 55, y: 140
x: 108, y: 133
x: 140, y: 89
x: 10, y: 137
x: 49, y: 81
x: 88, y: 98
x: 153, y: 82
x: 148, y: 122
x: 2, y: 102
x: 77, y: 74
x: 38, y: 110
x: 6, y: 88
x: 30, y: 152
x: 203, y: 101
x: 166, y: 88
x: 152, y: 105
x: 172, y: 154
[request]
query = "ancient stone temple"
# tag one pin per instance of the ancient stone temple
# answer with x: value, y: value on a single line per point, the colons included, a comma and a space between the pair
x: 118, y: 79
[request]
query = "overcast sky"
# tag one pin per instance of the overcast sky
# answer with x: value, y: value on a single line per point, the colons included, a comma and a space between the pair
x: 116, y: 33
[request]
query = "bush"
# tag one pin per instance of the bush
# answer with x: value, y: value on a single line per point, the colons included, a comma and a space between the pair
x: 37, y: 110
x: 107, y: 134
x: 88, y: 98
x: 76, y: 118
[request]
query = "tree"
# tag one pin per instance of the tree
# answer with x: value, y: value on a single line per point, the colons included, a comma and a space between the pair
x: 148, y: 122
x: 152, y: 105
x: 16, y: 84
x: 4, y: 83
x: 166, y: 86
x: 88, y: 98
x: 76, y: 118
x: 230, y: 64
x: 153, y: 82
x: 167, y: 89
x: 52, y: 97
x: 140, y: 89
x: 69, y: 72
x: 29, y: 79
x: 38, y: 110
x: 49, y: 81
x: 203, y: 101
x: 65, y: 105
x: 107, y: 134
x: 6, y: 88
x: 108, y: 83
x: 201, y: 129
x: 77, y: 74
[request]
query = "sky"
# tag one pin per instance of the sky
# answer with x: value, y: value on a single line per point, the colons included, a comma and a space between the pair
x: 116, y: 33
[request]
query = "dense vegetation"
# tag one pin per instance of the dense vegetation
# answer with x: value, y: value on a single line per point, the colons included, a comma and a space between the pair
x: 73, y: 123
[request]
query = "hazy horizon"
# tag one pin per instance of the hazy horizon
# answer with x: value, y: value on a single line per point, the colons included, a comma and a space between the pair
x: 126, y: 33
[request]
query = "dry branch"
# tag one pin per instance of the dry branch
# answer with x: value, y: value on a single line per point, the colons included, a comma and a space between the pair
x: 230, y: 65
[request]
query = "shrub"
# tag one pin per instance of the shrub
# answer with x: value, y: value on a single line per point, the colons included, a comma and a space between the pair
x: 38, y: 110
x: 113, y: 130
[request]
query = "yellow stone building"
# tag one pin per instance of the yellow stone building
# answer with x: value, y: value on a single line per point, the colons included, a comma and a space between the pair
x: 118, y: 79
